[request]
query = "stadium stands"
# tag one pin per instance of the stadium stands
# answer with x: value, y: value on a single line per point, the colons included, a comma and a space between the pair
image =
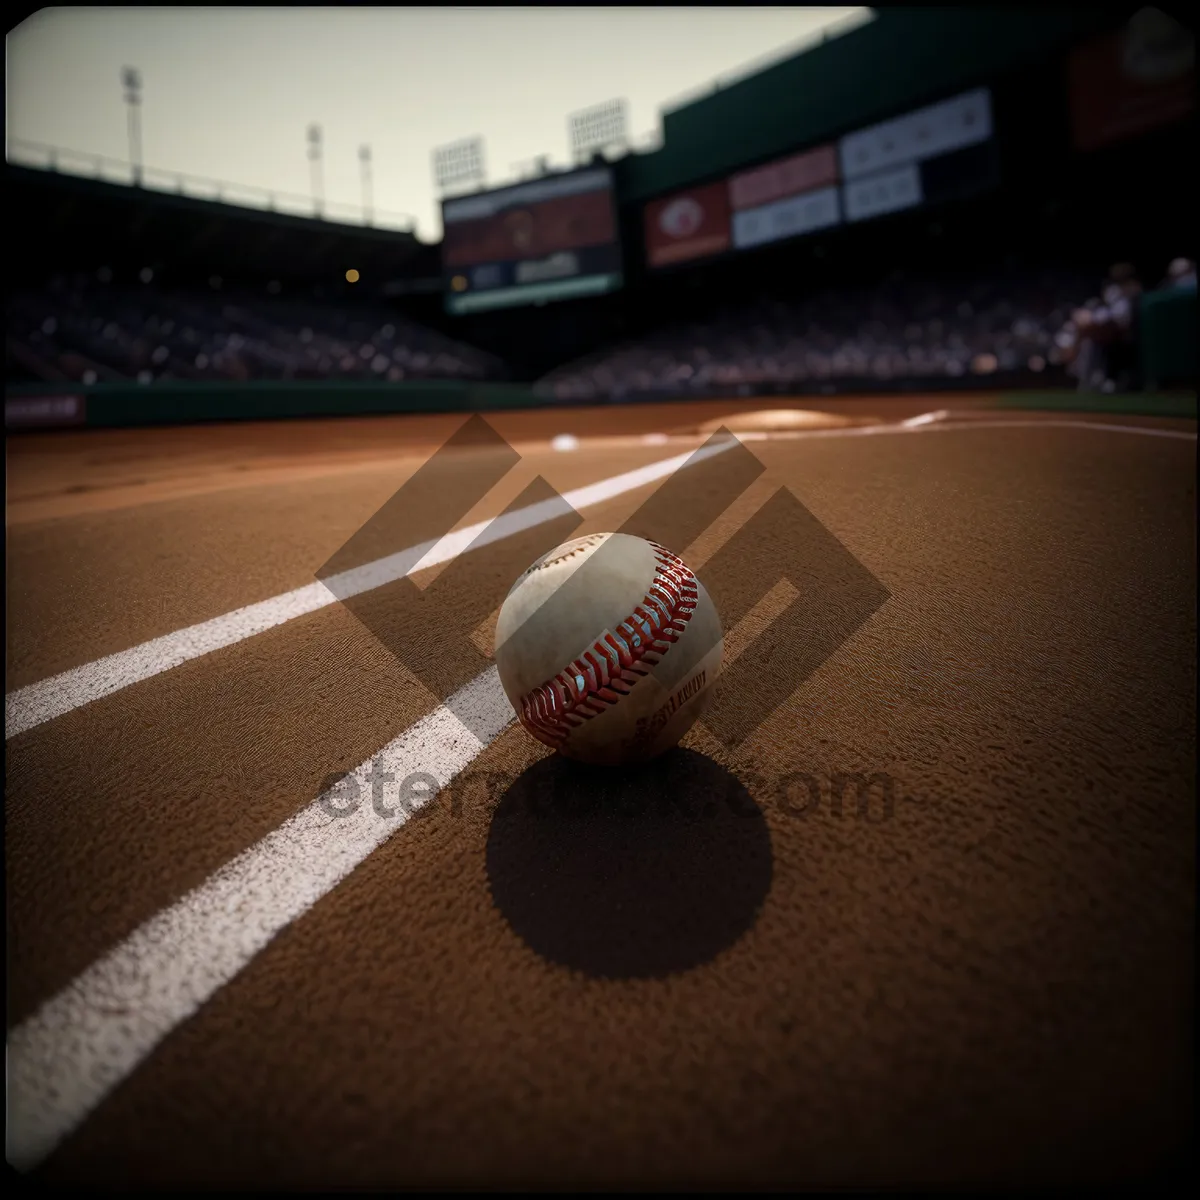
x: 1013, y: 325
x: 919, y: 330
x: 85, y: 329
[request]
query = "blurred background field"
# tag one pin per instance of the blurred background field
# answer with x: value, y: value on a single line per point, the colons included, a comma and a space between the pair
x: 1007, y: 208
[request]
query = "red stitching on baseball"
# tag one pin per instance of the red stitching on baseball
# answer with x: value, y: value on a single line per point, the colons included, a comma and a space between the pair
x: 607, y: 670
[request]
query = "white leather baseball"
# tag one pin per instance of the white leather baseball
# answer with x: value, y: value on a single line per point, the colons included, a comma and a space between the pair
x: 608, y: 648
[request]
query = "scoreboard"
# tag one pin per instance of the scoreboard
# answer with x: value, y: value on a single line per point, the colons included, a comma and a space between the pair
x: 943, y: 152
x: 781, y: 199
x: 785, y: 199
x: 552, y: 238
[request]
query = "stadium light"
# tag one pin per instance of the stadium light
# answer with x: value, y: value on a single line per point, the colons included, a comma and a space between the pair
x: 364, y: 160
x: 315, y: 168
x: 131, y: 81
x: 599, y: 128
x: 459, y: 163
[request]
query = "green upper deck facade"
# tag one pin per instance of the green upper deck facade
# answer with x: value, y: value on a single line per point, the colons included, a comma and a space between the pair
x: 901, y: 60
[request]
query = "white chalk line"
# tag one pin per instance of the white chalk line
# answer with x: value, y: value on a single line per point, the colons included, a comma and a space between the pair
x: 37, y: 703
x: 937, y: 423
x: 1066, y: 423
x: 82, y: 1043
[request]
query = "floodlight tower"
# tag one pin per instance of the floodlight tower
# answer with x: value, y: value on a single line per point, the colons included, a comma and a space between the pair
x: 316, y: 168
x: 131, y: 80
x: 364, y: 161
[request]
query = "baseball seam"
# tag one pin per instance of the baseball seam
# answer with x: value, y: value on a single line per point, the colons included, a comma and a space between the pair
x: 609, y: 668
x: 584, y: 544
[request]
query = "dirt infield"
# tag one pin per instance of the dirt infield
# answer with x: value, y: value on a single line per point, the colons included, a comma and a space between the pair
x: 932, y: 922
x: 64, y: 473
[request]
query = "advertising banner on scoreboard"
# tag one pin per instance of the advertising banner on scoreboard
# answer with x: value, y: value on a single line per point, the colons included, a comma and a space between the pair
x: 944, y: 152
x: 954, y: 176
x: 885, y: 192
x: 1131, y: 82
x: 786, y: 198
x: 786, y: 177
x: 965, y: 120
x: 688, y: 225
x: 787, y: 218
x: 548, y: 239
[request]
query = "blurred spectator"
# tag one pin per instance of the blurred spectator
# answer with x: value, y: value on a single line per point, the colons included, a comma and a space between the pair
x: 1181, y: 274
x: 1121, y: 299
x: 1099, y: 342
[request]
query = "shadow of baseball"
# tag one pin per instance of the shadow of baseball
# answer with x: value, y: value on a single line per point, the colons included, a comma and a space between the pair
x: 629, y: 873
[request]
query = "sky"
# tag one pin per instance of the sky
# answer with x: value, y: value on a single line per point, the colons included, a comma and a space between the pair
x: 229, y: 93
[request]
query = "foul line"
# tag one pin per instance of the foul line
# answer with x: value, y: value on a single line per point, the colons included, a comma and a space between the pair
x: 81, y: 1044
x: 37, y: 703
x: 945, y: 422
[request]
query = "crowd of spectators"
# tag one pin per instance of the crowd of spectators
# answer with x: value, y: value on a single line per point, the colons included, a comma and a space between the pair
x: 1009, y: 325
x: 90, y: 330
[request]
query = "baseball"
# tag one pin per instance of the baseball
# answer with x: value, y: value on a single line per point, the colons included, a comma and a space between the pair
x: 608, y: 648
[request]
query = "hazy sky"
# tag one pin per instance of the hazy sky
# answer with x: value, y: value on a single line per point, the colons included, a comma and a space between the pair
x: 228, y: 93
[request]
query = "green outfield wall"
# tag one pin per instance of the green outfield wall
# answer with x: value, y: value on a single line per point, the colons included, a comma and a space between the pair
x: 904, y: 58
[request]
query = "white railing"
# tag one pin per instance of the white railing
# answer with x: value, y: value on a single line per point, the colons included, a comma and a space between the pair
x: 23, y: 153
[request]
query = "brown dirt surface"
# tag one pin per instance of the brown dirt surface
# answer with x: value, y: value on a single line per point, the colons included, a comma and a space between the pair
x: 975, y: 970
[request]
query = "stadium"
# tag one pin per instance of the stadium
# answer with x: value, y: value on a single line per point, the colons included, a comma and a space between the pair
x: 893, y: 342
